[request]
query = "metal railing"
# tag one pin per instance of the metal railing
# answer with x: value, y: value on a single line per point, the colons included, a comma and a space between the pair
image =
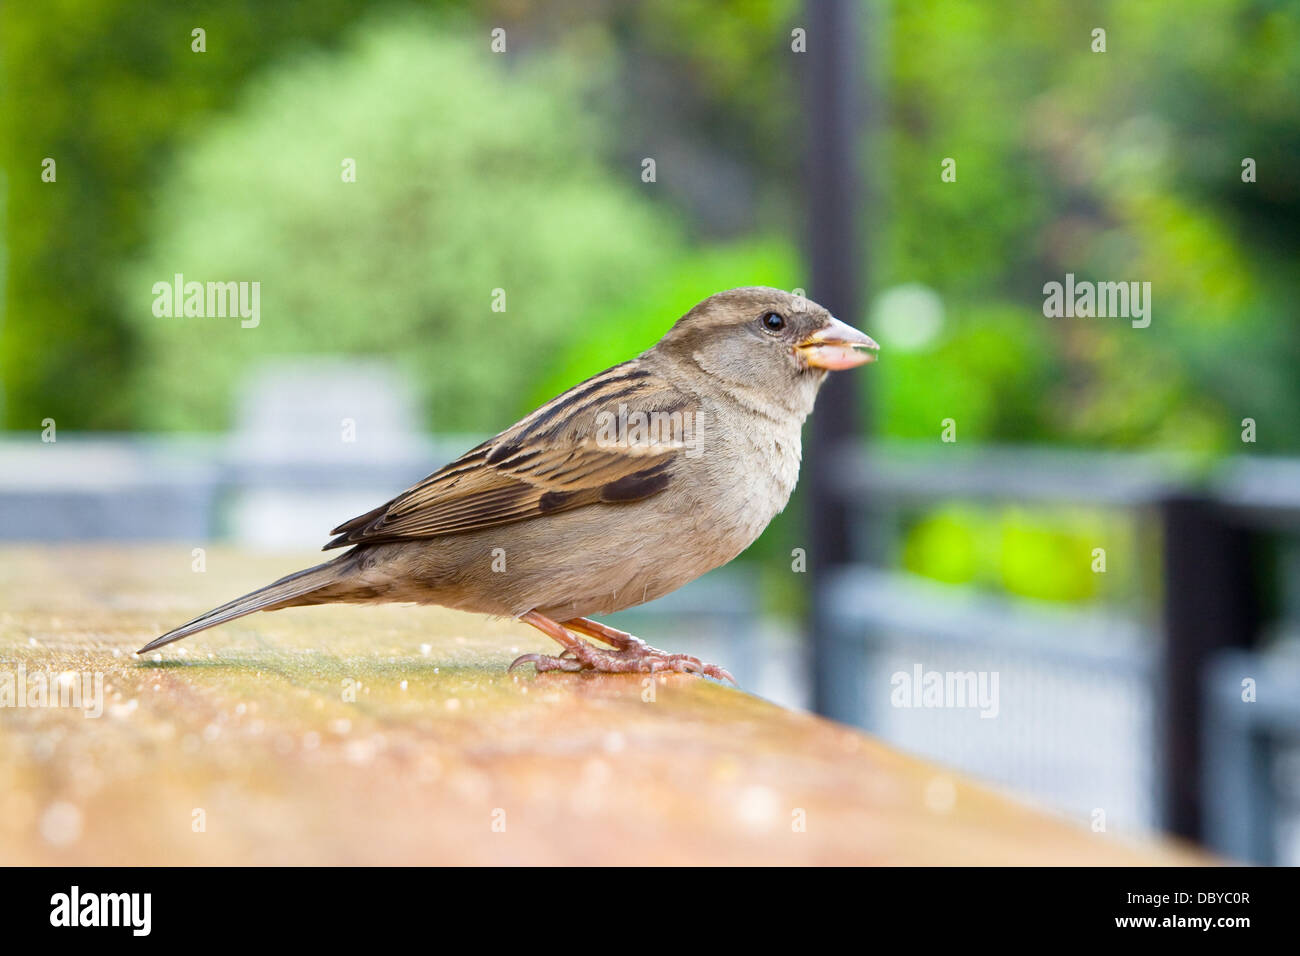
x: 1202, y: 616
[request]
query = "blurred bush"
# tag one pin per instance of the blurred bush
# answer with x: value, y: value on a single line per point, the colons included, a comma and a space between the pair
x: 471, y: 177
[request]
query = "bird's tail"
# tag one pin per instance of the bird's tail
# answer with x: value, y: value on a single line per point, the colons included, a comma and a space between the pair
x: 281, y: 593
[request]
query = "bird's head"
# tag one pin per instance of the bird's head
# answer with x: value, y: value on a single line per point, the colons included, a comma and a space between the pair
x: 756, y: 336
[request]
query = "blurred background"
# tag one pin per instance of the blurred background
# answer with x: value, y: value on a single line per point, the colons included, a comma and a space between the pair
x: 1104, y: 516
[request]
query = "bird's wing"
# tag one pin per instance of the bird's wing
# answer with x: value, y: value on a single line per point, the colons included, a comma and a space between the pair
x: 567, y: 454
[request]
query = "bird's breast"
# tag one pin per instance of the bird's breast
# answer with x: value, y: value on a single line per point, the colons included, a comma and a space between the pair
x: 762, y: 470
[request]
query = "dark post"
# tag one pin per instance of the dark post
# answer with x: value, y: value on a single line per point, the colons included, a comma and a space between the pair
x: 833, y: 91
x: 1209, y: 605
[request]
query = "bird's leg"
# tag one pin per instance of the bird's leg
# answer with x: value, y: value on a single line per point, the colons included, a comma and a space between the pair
x: 545, y: 662
x: 603, y: 632
x: 631, y: 654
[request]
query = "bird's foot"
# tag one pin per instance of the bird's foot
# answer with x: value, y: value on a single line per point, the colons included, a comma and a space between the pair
x: 630, y: 654
x: 545, y: 662
x: 638, y: 658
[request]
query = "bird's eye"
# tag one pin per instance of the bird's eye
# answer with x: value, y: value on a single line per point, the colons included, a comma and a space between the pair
x: 773, y: 322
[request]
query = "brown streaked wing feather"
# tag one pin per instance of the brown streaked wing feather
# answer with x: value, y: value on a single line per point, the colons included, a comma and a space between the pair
x: 547, y: 463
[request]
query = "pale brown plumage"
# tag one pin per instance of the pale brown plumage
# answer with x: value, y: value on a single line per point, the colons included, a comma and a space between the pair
x: 616, y: 492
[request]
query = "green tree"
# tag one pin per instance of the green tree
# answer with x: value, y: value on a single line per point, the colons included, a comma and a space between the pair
x: 474, y: 173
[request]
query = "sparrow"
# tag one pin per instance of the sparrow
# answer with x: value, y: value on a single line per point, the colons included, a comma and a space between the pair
x: 616, y: 492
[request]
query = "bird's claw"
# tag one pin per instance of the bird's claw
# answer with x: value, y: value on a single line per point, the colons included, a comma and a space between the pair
x: 684, y: 664
x: 545, y: 662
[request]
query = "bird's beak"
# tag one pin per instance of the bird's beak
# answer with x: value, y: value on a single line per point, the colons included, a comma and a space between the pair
x: 837, y: 346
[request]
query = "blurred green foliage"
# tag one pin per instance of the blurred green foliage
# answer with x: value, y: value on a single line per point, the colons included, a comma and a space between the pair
x: 470, y: 178
x: 479, y: 172
x: 1043, y: 553
x: 109, y: 89
x: 1122, y: 165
